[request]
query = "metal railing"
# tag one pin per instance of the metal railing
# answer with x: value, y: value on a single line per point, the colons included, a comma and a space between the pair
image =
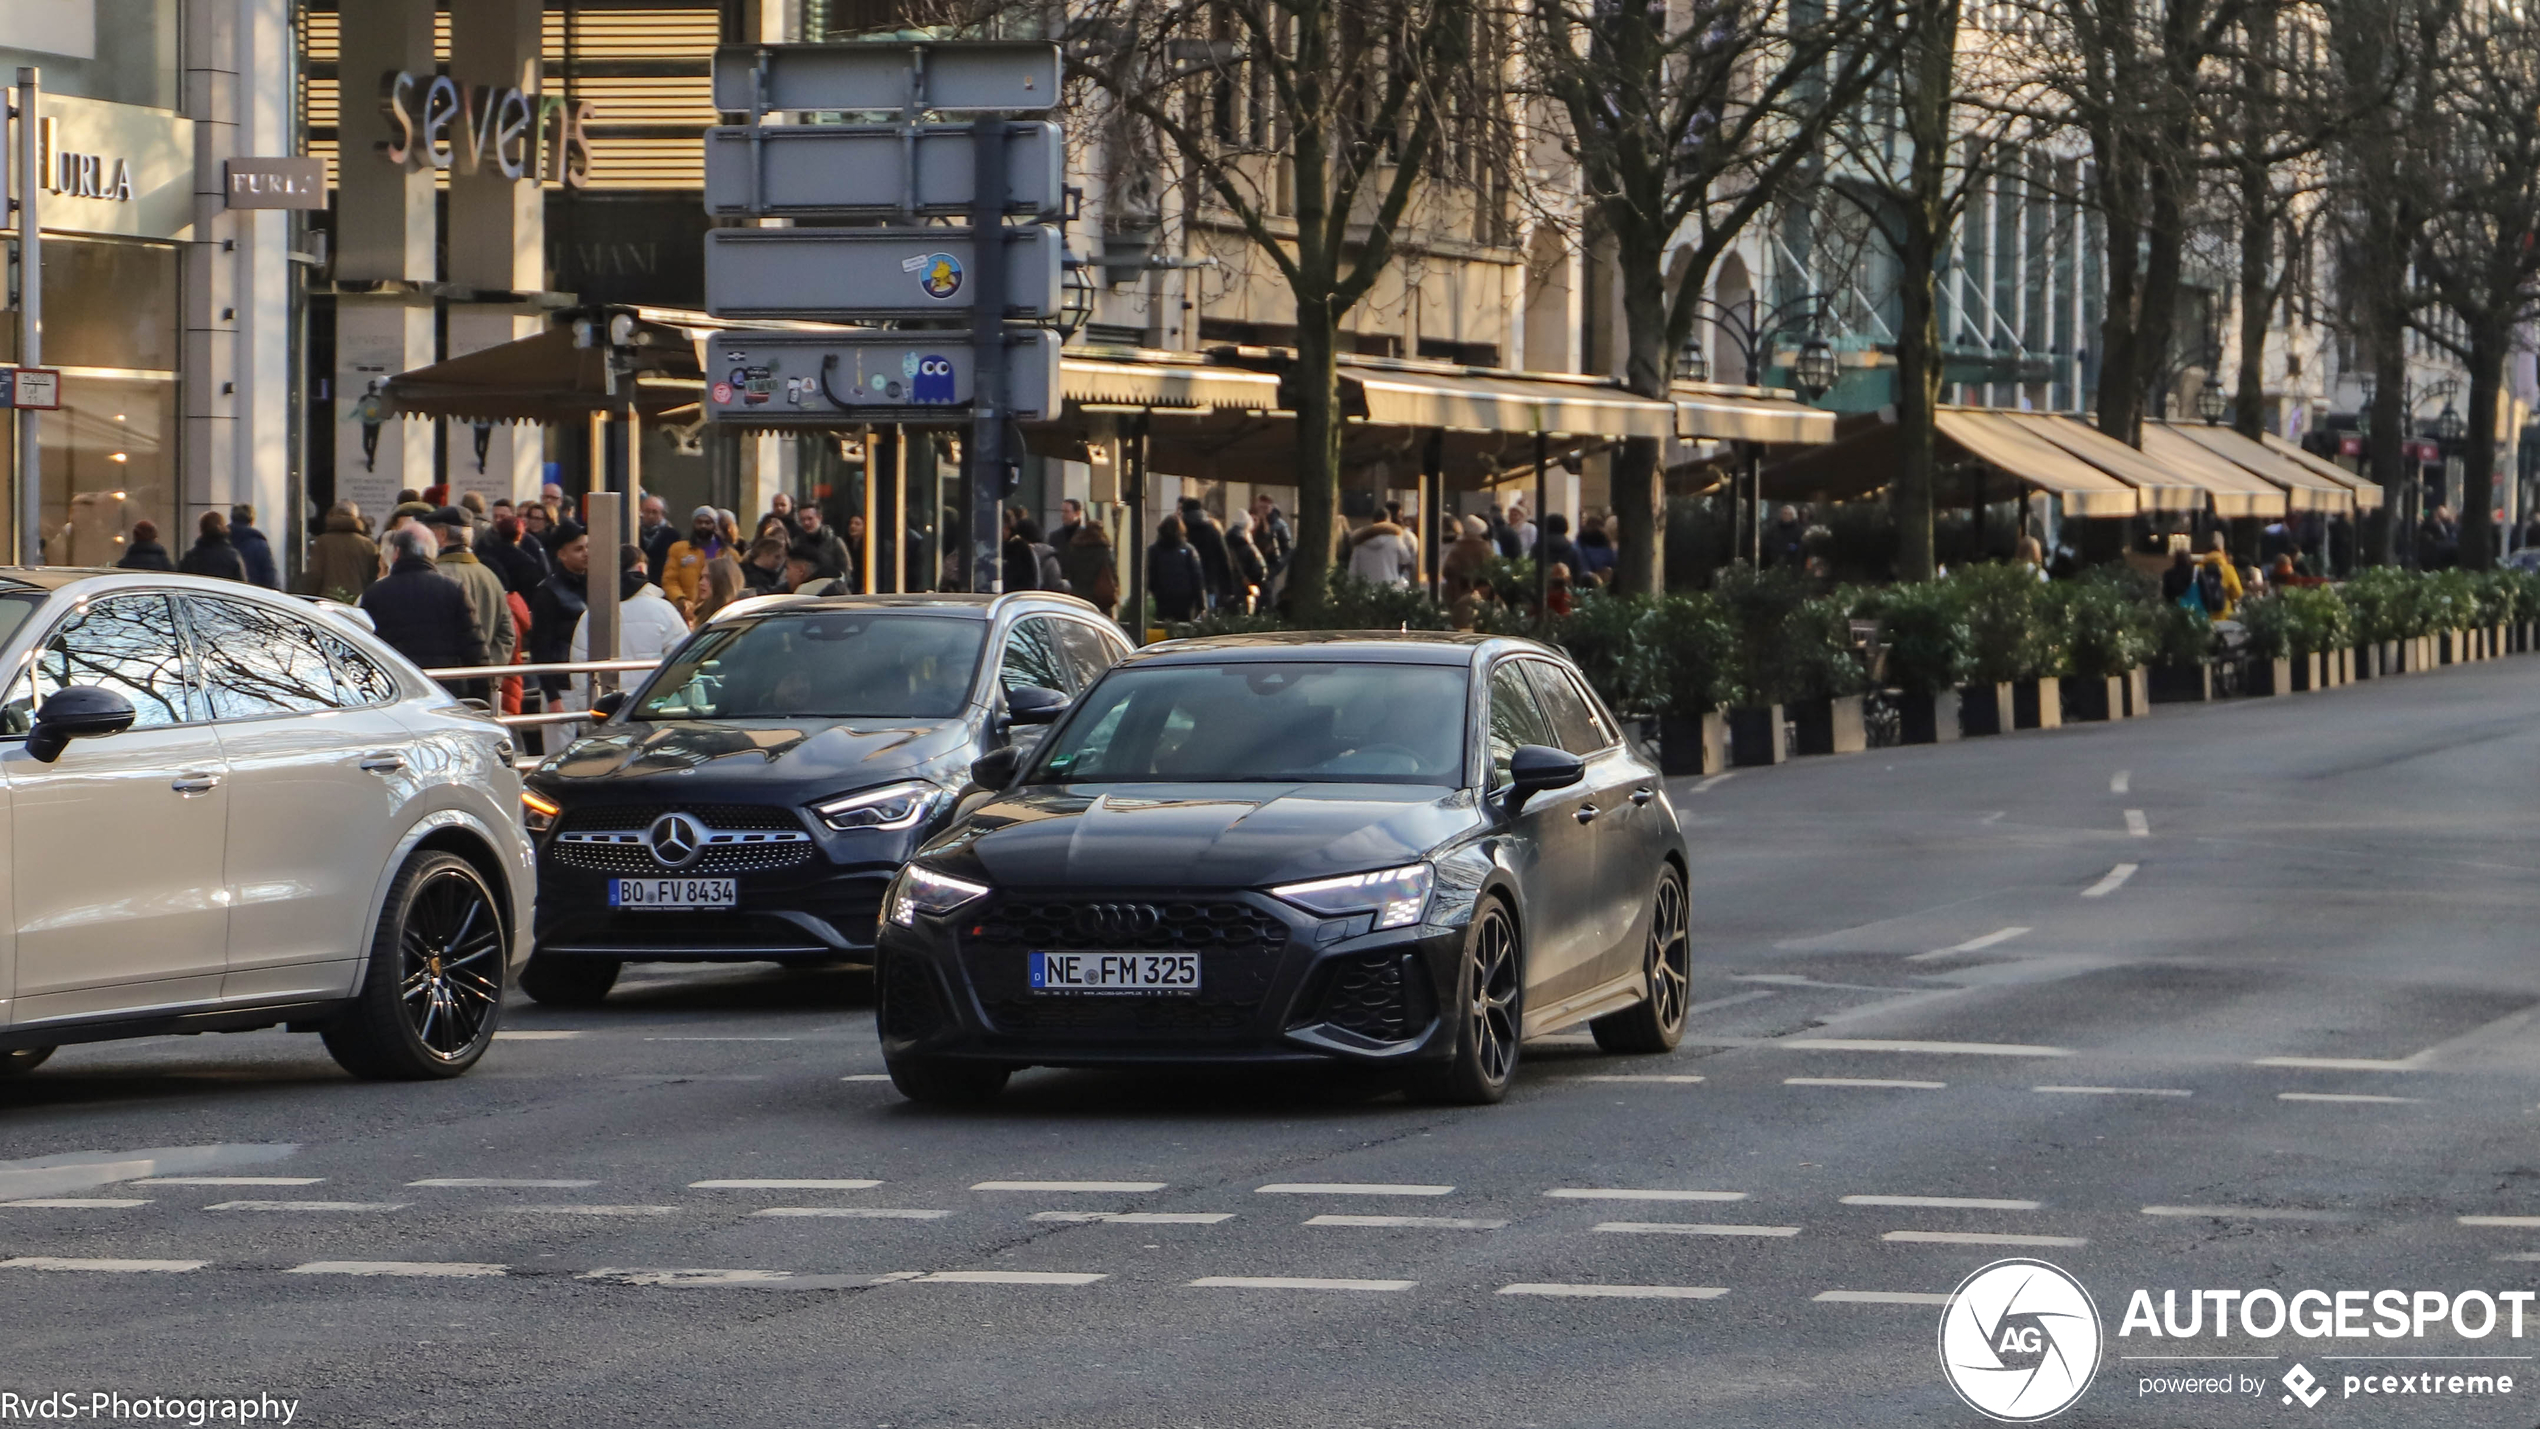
x: 568, y: 667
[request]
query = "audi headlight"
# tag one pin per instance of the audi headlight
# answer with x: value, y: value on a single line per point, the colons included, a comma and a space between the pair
x: 1397, y: 896
x: 893, y: 806
x: 922, y: 890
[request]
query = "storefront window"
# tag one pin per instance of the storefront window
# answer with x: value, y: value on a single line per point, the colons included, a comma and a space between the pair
x: 120, y: 50
x: 109, y: 464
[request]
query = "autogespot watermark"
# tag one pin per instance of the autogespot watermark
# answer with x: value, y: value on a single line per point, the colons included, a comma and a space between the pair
x: 2021, y: 1341
x: 107, y: 1406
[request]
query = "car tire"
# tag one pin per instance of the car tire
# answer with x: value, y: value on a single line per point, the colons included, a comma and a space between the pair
x: 1488, y: 1012
x: 937, y: 1081
x: 568, y: 982
x: 1657, y: 1022
x: 23, y: 1060
x: 434, y: 992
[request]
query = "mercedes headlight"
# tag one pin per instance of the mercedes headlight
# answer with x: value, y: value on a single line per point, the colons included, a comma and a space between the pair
x: 538, y: 812
x: 893, y: 806
x: 1397, y: 896
x: 922, y: 890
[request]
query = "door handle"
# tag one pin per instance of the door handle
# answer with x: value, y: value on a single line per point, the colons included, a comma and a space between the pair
x: 383, y: 762
x: 1587, y: 813
x: 195, y: 783
x: 1643, y: 794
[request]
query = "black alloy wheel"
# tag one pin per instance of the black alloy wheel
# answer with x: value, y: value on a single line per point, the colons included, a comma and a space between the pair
x: 23, y: 1060
x: 1657, y: 1023
x: 434, y: 991
x: 1489, y: 1012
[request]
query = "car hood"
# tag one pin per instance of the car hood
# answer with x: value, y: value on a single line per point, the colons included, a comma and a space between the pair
x: 808, y: 755
x: 1201, y: 835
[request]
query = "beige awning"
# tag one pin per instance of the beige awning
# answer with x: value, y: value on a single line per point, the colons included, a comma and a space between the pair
x: 1726, y: 414
x: 2005, y: 443
x: 2366, y: 491
x: 2235, y: 490
x: 1143, y: 385
x: 545, y: 378
x: 2304, y: 490
x: 2156, y: 487
x: 1467, y: 402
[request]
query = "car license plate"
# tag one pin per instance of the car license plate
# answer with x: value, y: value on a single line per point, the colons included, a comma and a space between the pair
x: 672, y: 893
x: 1115, y: 972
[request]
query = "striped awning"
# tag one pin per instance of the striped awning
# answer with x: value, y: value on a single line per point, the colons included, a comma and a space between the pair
x: 1473, y: 403
x: 2367, y: 492
x: 1726, y: 414
x: 2155, y: 486
x: 2006, y: 443
x: 2304, y: 489
x: 1189, y: 388
x: 2234, y: 489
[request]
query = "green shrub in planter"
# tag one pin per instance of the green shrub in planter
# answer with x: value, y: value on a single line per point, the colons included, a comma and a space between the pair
x: 1925, y: 627
x: 2270, y: 626
x: 1604, y: 635
x: 1814, y: 659
x: 2180, y: 636
x: 2525, y: 586
x: 1684, y: 656
x: 2316, y: 620
x: 2449, y: 600
x: 2385, y: 603
x: 2492, y: 597
x: 2106, y: 626
x: 2013, y: 634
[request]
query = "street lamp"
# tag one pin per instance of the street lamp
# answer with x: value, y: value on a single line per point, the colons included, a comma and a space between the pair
x: 1691, y: 365
x: 2449, y: 427
x: 1815, y: 372
x: 2209, y: 402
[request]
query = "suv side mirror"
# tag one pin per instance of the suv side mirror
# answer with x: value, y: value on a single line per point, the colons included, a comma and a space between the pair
x: 1033, y: 704
x: 608, y: 704
x: 1535, y: 768
x: 997, y: 769
x: 76, y: 712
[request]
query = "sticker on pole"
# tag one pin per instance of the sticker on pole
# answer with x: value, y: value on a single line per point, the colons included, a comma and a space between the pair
x: 35, y: 388
x: 938, y: 275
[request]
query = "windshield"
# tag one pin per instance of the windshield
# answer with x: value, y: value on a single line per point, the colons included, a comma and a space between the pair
x: 1264, y: 722
x: 832, y: 664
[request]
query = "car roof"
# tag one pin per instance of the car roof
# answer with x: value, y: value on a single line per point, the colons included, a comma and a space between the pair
x: 1390, y: 647
x: 952, y: 603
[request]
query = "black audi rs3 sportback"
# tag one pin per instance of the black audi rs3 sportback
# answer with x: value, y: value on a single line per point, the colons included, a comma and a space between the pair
x: 1401, y: 851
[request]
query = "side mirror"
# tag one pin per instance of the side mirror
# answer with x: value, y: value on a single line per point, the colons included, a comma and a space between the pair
x: 1032, y: 704
x: 1535, y: 768
x: 608, y: 704
x: 76, y: 712
x: 996, y: 770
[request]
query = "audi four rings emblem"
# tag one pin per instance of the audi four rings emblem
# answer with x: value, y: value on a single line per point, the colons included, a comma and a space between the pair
x: 1114, y: 919
x: 676, y: 840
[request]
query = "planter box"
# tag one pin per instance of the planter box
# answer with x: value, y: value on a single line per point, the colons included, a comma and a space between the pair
x: 2037, y: 704
x: 2495, y: 642
x: 2266, y: 677
x: 1985, y: 709
x: 2307, y: 674
x: 2455, y: 647
x: 2138, y: 693
x: 1756, y: 735
x: 1928, y: 719
x: 2177, y: 685
x: 2089, y: 697
x: 1834, y: 726
x: 1693, y: 744
x: 2386, y: 660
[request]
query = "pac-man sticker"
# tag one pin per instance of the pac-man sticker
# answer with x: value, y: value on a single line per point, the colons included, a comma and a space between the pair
x: 940, y: 277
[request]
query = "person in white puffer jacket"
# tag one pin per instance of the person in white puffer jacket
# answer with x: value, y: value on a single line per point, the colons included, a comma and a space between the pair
x: 649, y: 626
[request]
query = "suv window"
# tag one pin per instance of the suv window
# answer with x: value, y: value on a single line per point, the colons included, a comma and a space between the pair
x: 1573, y: 718
x: 258, y: 662
x: 1515, y: 718
x: 358, y: 678
x: 1033, y: 656
x: 1087, y: 651
x: 123, y: 643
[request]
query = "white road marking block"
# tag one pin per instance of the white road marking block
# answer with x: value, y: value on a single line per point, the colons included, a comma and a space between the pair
x: 2121, y: 781
x: 2517, y: 1222
x: 2117, y: 1091
x: 784, y: 1184
x: 227, y: 1181
x: 688, y: 1277
x: 866, y: 1077
x: 1690, y: 1228
x: 1877, y: 1297
x: 853, y: 1213
x: 76, y: 1203
x: 1678, y: 1080
x: 1427, y: 1223
x: 2115, y: 880
x: 1973, y: 945
x: 1293, y: 1282
x: 535, y: 1036
x: 496, y: 1183
x: 415, y: 1269
x: 1861, y: 1082
x: 1951, y: 1203
x: 2347, y: 1097
x: 1944, y: 1049
x: 1115, y: 1186
x: 1601, y: 1193
x: 1347, y: 1188
x: 578, y: 1210
x: 307, y: 1206
x: 1005, y: 1277
x: 115, y: 1267
x: 718, y: 1039
x: 1135, y: 1218
x: 2250, y: 1213
x: 1981, y: 1238
x: 2343, y: 1064
x: 1620, y: 1292
x: 2137, y: 825
x: 1713, y: 780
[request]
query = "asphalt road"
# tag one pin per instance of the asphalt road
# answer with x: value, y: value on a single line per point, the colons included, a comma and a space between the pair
x: 2239, y: 996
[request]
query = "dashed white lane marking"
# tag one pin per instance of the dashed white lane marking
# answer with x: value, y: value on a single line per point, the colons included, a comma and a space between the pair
x: 2115, y: 880
x: 2343, y: 1064
x: 866, y: 1077
x: 1714, y: 779
x: 1981, y: 1238
x: 853, y: 1213
x: 1605, y: 1193
x: 582, y: 1210
x: 1732, y: 1000
x: 1877, y: 1297
x: 227, y: 1181
x: 2137, y: 825
x: 1425, y: 1223
x: 1679, y: 1080
x: 688, y: 1277
x: 1948, y: 1049
x: 1952, y: 1203
x: 2525, y: 1256
x: 1862, y: 1082
x: 1691, y: 1228
x: 1006, y: 1277
x: 1116, y: 1186
x: 2347, y: 1097
x: 718, y: 1039
x: 2249, y: 1213
x: 775, y: 1183
x: 663, y: 1079
x: 1620, y: 1292
x: 2117, y: 1091
x: 2516, y: 1222
x: 498, y: 1183
x: 416, y: 1269
x: 2121, y: 781
x: 535, y: 1036
x: 1135, y: 1218
x: 77, y: 1203
x: 307, y: 1206
x: 1972, y: 945
x: 1347, y: 1188
x: 1293, y: 1282
x: 1993, y: 818
x: 121, y: 1267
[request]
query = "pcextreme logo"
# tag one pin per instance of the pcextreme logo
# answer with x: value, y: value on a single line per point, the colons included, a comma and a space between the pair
x: 2020, y: 1341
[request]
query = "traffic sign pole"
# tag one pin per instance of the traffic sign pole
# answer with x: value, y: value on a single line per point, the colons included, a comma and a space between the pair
x: 986, y: 448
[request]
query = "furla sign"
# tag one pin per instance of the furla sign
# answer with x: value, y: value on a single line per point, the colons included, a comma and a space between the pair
x: 523, y: 135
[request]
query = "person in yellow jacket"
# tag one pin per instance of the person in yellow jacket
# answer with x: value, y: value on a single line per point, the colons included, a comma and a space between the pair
x: 2219, y: 560
x: 684, y: 565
